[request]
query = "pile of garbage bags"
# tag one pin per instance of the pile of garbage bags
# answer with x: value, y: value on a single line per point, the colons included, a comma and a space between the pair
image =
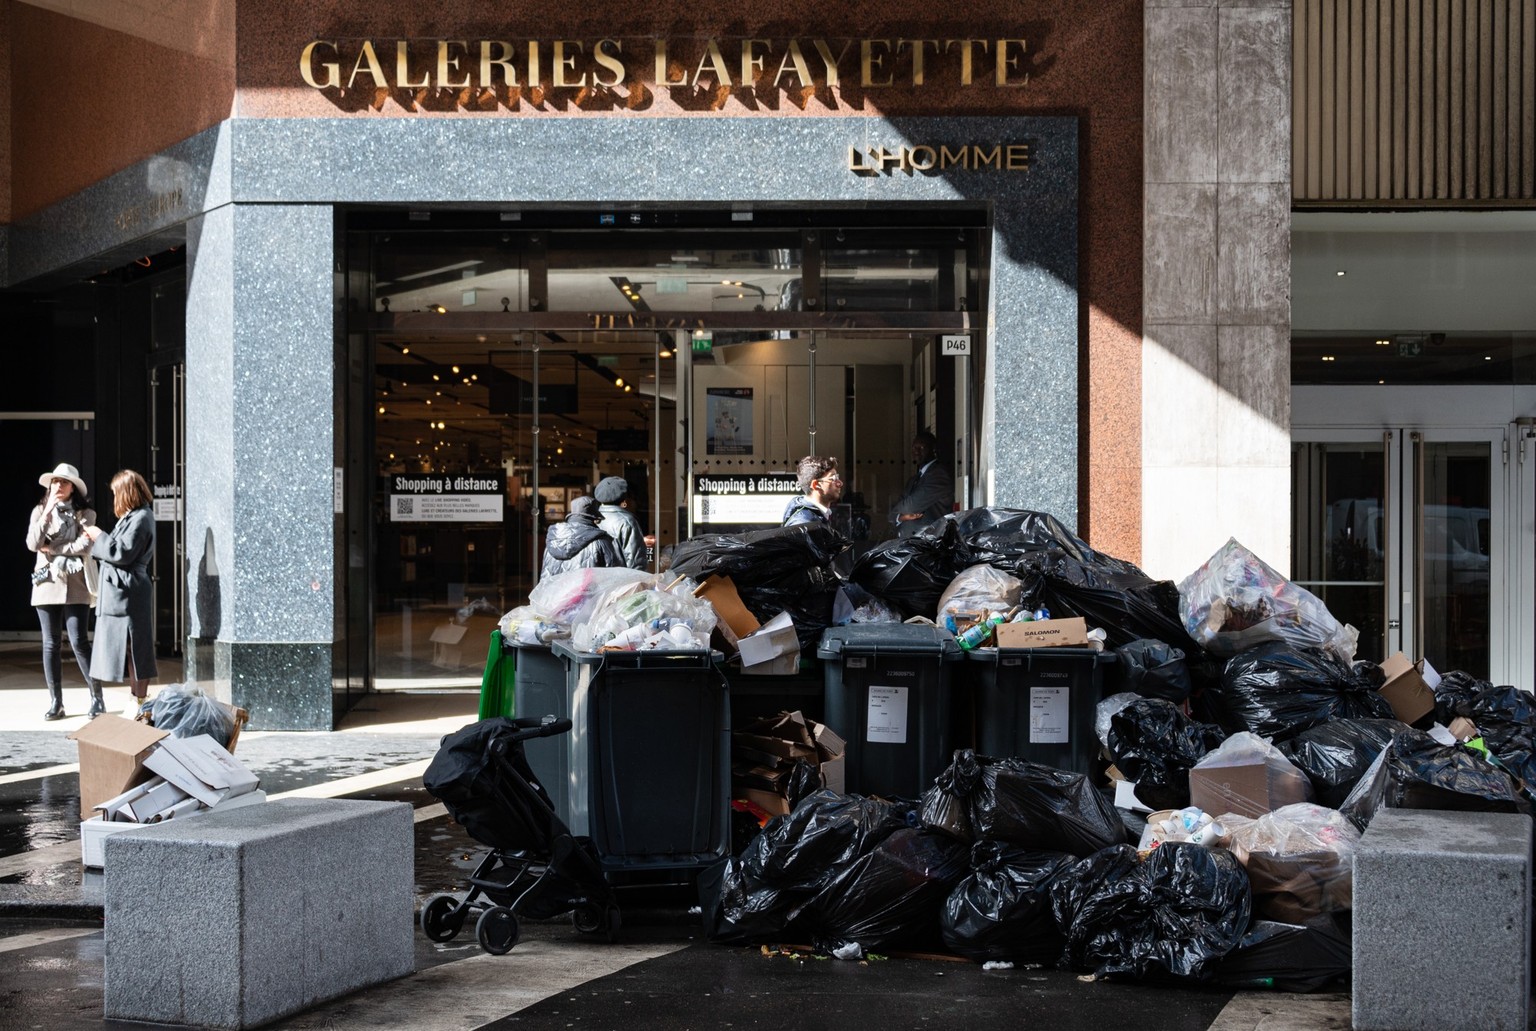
x: 1238, y: 715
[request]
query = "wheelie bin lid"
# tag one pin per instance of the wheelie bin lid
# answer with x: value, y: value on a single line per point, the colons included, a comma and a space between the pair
x: 888, y: 638
x: 996, y: 655
x: 639, y: 660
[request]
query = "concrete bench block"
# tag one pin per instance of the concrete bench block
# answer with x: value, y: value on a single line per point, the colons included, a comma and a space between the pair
x: 1442, y: 922
x: 235, y: 919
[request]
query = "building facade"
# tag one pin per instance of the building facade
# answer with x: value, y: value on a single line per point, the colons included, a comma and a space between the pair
x: 372, y: 294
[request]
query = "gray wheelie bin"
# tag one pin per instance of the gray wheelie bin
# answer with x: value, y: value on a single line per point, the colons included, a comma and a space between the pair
x: 889, y: 696
x: 650, y: 757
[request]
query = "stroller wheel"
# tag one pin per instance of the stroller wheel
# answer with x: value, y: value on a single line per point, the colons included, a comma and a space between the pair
x: 587, y: 918
x: 441, y: 918
x: 497, y: 930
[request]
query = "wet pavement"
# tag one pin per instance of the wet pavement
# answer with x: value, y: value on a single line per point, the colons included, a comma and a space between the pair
x: 661, y: 973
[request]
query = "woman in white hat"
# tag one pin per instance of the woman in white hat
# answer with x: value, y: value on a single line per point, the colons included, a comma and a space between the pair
x: 63, y: 580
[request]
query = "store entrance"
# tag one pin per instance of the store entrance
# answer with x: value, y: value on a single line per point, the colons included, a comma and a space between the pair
x: 1420, y: 530
x: 514, y: 370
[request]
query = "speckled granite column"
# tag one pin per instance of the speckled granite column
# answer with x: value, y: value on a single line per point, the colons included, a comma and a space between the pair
x: 1215, y: 419
x: 259, y: 443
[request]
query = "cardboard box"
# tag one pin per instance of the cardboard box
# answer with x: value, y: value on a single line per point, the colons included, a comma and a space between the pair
x: 1462, y: 729
x: 1251, y: 789
x: 202, y: 768
x: 768, y: 750
x: 96, y: 830
x: 1044, y: 633
x: 735, y: 621
x: 1407, y: 690
x: 143, y: 803
x: 770, y: 803
x: 112, y: 753
x: 774, y: 639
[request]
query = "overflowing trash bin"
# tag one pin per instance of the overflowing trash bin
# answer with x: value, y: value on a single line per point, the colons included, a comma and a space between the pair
x: 889, y: 694
x: 649, y: 757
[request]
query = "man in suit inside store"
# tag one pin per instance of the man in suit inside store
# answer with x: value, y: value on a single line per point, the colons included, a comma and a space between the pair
x: 929, y: 494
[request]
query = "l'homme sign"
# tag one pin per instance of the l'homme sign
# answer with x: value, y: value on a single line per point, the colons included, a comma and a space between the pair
x: 768, y: 63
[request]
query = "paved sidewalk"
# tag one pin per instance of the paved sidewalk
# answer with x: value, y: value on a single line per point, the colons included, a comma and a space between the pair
x: 662, y: 974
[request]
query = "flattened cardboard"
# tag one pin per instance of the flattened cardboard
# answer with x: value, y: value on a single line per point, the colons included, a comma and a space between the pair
x: 202, y: 768
x: 1251, y: 789
x: 1044, y: 633
x: 112, y: 753
x: 1406, y: 689
x: 95, y: 830
x: 774, y: 639
x: 735, y: 621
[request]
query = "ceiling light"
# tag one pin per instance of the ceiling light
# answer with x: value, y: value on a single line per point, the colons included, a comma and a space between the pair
x: 1383, y: 343
x: 381, y: 409
x: 665, y: 353
x: 436, y: 378
x: 1340, y: 272
x: 405, y: 350
x: 618, y: 381
x: 1487, y: 357
x: 444, y: 311
x: 1327, y: 357
x: 455, y: 370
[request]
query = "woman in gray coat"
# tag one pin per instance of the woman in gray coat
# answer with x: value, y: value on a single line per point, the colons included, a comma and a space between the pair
x: 63, y: 580
x: 125, y: 639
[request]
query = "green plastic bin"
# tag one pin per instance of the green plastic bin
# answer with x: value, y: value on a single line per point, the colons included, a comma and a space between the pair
x: 889, y: 696
x: 498, y: 683
x: 1038, y: 703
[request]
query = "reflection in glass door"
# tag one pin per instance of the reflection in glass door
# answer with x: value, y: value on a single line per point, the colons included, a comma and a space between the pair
x: 1403, y: 537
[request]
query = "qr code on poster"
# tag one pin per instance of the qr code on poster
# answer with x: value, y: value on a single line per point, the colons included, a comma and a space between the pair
x: 405, y: 506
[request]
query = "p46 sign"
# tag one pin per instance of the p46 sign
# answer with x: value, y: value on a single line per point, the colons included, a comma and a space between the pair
x: 953, y: 345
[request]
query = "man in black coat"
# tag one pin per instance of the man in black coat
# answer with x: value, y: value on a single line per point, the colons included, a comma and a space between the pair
x: 929, y: 494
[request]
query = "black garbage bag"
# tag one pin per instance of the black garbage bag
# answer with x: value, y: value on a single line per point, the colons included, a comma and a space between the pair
x: 1154, y: 744
x: 1289, y: 957
x: 760, y: 556
x: 1085, y: 878
x: 761, y: 894
x: 463, y: 776
x: 1417, y: 772
x: 804, y: 781
x: 1153, y: 669
x: 1277, y: 691
x: 891, y: 896
x: 1006, y: 537
x: 1334, y: 756
x: 1506, y: 720
x: 1174, y: 914
x: 910, y: 573
x: 946, y: 805
x: 1124, y: 601
x: 1456, y: 693
x: 808, y: 596
x: 1034, y: 806
x: 821, y: 834
x: 1002, y: 910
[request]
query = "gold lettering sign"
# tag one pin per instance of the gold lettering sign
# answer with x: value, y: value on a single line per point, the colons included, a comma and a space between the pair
x: 152, y: 210
x: 926, y: 158
x: 484, y: 74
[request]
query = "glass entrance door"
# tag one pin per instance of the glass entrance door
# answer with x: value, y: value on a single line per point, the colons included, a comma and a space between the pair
x: 1421, y: 538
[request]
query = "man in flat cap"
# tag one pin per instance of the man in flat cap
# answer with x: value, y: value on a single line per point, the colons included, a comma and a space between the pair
x: 613, y: 502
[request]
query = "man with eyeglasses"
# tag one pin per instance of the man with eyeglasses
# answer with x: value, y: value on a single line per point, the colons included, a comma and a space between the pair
x: 820, y: 488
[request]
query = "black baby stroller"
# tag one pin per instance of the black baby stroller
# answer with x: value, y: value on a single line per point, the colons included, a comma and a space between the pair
x: 536, y: 868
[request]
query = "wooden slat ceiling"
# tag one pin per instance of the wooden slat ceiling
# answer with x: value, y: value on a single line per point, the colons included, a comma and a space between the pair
x: 1422, y: 102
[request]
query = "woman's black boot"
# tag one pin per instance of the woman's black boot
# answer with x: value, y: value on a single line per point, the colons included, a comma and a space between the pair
x: 56, y: 712
x: 98, y: 706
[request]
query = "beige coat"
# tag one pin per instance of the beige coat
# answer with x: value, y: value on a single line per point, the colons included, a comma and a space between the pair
x: 73, y: 589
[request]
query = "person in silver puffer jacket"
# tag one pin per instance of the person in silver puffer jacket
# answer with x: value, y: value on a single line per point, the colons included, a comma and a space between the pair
x: 578, y: 542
